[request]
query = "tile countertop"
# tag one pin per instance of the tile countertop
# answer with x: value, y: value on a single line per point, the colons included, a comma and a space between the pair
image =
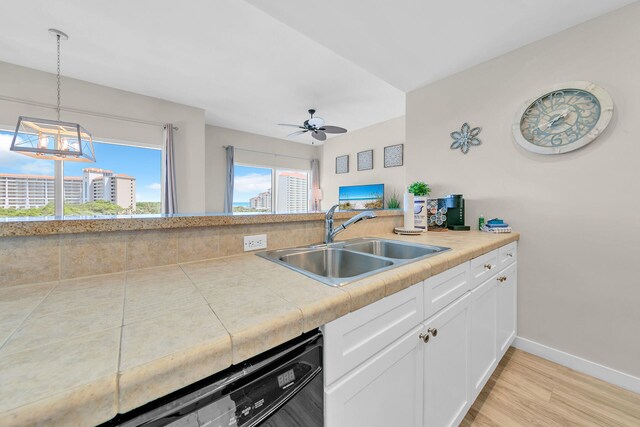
x: 77, y: 352
x: 44, y: 226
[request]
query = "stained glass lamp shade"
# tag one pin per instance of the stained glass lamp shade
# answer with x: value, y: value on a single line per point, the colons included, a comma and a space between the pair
x: 53, y: 140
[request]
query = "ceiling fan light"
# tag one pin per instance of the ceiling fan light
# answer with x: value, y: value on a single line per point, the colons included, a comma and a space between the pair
x: 316, y: 121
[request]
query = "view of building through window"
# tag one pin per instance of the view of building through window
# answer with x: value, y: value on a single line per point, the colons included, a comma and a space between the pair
x: 124, y: 180
x: 292, y: 191
x: 253, y: 190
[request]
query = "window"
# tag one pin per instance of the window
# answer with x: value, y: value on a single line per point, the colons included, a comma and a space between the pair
x: 26, y: 184
x: 262, y: 189
x: 292, y: 191
x: 252, y: 189
x: 124, y: 180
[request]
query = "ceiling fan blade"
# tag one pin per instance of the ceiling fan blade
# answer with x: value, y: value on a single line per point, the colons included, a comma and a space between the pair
x: 295, y: 126
x: 319, y: 135
x: 333, y: 129
x: 298, y: 132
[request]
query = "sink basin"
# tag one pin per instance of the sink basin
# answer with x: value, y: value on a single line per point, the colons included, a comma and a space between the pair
x: 340, y: 263
x: 335, y: 263
x: 391, y: 249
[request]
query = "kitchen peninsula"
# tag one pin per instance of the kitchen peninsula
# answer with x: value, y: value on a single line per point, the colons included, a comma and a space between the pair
x: 158, y: 323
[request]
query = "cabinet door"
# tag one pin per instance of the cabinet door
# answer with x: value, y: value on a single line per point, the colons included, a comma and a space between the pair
x: 354, y: 338
x: 384, y: 391
x: 484, y: 311
x: 507, y: 303
x: 446, y: 366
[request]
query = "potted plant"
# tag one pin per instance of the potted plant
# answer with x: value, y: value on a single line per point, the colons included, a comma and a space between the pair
x: 420, y: 191
x: 393, y: 201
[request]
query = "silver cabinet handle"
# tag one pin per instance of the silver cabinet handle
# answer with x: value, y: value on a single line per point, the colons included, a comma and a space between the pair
x: 424, y: 337
x: 510, y: 255
x: 488, y: 266
x: 501, y: 279
x: 433, y: 332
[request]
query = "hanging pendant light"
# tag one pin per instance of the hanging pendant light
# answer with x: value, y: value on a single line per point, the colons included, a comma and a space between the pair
x: 53, y: 139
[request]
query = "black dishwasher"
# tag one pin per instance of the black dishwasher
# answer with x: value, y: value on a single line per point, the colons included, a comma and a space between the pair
x: 282, y: 387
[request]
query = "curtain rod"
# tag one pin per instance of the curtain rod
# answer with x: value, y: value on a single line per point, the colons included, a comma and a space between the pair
x: 266, y: 152
x: 85, y: 112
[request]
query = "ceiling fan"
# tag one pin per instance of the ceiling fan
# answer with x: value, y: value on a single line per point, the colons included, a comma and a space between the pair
x: 316, y: 126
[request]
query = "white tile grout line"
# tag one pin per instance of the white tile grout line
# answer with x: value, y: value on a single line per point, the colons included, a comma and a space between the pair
x: 124, y: 301
x: 126, y: 258
x: 59, y: 258
x: 28, y: 315
x: 197, y: 288
x: 220, y: 320
x: 53, y: 313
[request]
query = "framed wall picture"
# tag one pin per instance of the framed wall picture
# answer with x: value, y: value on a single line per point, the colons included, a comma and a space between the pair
x: 365, y: 160
x: 394, y: 155
x: 360, y: 197
x: 342, y: 164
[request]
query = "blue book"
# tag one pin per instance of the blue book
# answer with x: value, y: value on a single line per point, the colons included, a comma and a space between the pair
x: 497, y: 225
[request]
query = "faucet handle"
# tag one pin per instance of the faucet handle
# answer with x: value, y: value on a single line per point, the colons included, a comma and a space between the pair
x: 331, y: 211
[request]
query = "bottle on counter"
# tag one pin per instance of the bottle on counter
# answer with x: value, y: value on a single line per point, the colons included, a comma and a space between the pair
x: 480, y: 222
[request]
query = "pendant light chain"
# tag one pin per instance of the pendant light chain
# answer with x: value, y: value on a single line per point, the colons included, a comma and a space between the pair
x: 55, y: 140
x: 58, y: 107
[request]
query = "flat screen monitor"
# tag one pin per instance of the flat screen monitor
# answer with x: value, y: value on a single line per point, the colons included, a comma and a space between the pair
x: 361, y: 197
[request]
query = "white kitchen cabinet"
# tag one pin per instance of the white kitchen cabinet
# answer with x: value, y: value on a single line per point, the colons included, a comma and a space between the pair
x: 483, y: 267
x: 379, y: 372
x: 507, y: 255
x: 385, y: 391
x: 446, y: 365
x: 484, y: 354
x: 507, y: 303
x: 357, y: 336
x: 444, y: 288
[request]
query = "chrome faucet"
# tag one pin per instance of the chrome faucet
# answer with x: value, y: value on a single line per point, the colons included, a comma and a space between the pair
x: 330, y: 233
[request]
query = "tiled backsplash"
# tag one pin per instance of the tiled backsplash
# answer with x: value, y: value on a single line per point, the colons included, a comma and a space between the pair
x: 35, y: 259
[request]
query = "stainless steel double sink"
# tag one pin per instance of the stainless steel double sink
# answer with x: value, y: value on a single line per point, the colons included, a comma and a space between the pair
x: 340, y: 263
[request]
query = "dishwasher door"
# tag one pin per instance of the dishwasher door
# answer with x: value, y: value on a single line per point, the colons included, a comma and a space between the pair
x: 289, y: 394
x: 304, y: 409
x: 282, y: 388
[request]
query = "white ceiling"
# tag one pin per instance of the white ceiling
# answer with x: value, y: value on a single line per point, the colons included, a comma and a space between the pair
x: 246, y: 69
x: 410, y: 43
x: 251, y: 68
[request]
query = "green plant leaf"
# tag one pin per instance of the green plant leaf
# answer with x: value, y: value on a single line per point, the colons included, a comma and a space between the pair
x: 419, y: 188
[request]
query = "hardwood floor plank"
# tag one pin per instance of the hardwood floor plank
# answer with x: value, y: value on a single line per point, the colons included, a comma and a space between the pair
x: 601, y: 392
x: 521, y: 381
x: 526, y: 390
x: 607, y: 415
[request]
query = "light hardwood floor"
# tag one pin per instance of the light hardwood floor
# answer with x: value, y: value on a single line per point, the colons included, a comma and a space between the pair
x: 526, y: 390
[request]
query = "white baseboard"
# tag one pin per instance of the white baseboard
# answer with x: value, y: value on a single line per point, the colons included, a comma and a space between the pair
x: 579, y: 364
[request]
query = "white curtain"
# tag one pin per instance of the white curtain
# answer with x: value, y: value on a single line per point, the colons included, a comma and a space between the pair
x: 316, y: 193
x: 228, y: 194
x: 169, y: 197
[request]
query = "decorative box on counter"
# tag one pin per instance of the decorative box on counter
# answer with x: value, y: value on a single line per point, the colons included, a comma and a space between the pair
x: 436, y: 214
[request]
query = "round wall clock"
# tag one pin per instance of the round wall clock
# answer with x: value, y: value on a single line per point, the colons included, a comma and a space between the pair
x: 564, y: 118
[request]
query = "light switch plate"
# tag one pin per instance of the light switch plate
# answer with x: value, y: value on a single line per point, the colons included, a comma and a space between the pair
x: 252, y: 243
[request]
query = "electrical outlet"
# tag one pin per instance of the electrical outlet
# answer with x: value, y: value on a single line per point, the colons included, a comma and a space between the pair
x: 251, y: 243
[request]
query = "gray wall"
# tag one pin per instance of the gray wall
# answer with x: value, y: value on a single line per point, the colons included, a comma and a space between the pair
x: 374, y: 137
x: 579, y: 288
x: 284, y: 154
x: 33, y: 85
